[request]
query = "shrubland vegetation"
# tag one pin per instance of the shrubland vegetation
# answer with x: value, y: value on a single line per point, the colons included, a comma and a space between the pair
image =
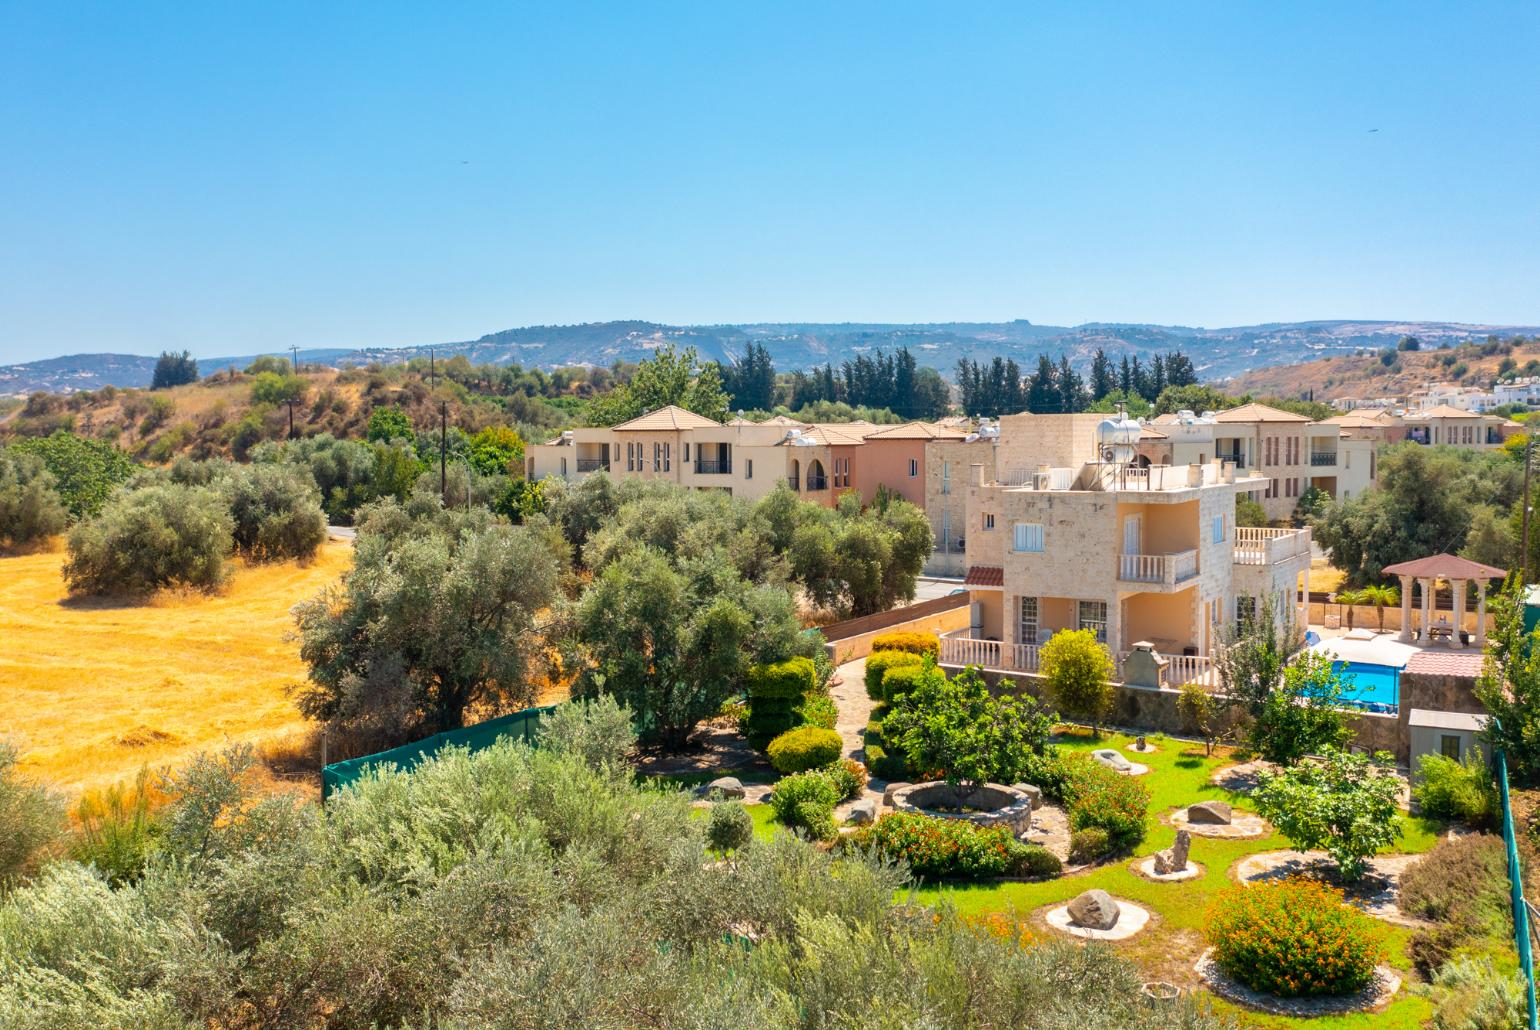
x: 554, y: 892
x: 1294, y: 938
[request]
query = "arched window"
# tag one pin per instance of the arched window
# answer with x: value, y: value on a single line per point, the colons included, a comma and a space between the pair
x: 795, y: 479
x: 815, y: 476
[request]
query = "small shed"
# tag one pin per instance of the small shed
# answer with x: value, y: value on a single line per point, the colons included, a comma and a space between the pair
x: 1450, y: 734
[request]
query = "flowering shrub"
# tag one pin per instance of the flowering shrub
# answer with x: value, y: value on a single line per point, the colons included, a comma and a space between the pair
x: 927, y: 644
x: 1096, y: 797
x: 806, y: 747
x: 1001, y: 927
x: 951, y: 848
x: 848, y: 777
x: 1294, y: 938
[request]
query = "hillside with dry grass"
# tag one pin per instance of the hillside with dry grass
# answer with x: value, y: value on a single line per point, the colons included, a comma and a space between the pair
x: 1370, y: 376
x: 94, y: 689
x: 221, y: 415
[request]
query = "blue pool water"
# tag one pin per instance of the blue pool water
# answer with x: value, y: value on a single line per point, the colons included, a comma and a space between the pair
x: 1371, y: 685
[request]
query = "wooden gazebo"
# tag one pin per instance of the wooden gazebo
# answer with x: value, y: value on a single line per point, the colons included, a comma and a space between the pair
x: 1457, y: 572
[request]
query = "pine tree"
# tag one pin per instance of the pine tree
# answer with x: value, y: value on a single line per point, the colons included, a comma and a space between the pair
x: 1043, y: 388
x: 174, y: 370
x: 1102, y: 376
x: 1126, y: 378
x: 1072, y: 396
x: 1015, y: 398
x: 904, y: 400
x: 1158, y: 378
x: 1179, y: 370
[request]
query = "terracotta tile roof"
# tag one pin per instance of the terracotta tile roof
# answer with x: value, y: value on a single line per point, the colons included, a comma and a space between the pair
x: 985, y: 576
x: 1444, y: 411
x: 1258, y: 413
x: 1445, y: 663
x: 667, y: 419
x: 1151, y: 433
x: 824, y: 436
x: 916, y: 431
x: 1444, y: 566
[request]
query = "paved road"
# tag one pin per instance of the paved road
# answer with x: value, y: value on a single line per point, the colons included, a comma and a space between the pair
x: 928, y: 588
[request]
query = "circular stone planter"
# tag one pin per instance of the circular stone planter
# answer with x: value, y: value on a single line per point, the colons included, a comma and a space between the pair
x: 1131, y: 919
x: 993, y: 804
x: 1242, y: 826
x: 1372, y: 998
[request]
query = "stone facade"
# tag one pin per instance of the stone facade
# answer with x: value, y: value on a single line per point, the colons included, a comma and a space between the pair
x: 946, y: 497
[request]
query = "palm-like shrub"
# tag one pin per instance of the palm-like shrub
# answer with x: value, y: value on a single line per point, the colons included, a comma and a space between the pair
x: 1294, y: 938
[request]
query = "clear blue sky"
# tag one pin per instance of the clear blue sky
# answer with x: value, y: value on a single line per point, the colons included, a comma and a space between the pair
x: 234, y: 178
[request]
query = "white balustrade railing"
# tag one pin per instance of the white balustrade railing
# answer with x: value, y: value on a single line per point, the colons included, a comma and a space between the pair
x: 1158, y: 568
x: 989, y: 654
x: 1257, y: 545
x: 1183, y: 669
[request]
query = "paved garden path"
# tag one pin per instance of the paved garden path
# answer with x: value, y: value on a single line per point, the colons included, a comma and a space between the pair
x: 848, y: 688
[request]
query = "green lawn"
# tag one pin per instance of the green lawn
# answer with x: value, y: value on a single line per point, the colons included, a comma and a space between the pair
x: 1180, y: 775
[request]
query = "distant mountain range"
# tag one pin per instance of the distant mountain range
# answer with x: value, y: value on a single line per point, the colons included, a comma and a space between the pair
x: 1218, y: 353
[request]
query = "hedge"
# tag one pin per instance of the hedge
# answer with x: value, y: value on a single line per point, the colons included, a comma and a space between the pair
x: 879, y: 662
x: 776, y: 693
x: 924, y: 644
x: 806, y: 747
x: 900, y: 679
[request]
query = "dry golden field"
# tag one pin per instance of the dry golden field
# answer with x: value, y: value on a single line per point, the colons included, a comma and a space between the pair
x: 90, y: 690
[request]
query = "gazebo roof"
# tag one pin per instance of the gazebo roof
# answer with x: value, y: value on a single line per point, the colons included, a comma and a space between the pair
x: 1444, y: 566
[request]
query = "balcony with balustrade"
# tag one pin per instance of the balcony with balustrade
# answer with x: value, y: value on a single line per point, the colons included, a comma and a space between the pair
x: 1160, y: 571
x: 959, y: 650
x: 1264, y: 545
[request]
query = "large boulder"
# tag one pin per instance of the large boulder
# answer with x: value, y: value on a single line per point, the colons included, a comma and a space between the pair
x: 1212, y: 813
x: 1112, y: 759
x: 1174, y: 858
x: 1094, y: 910
x: 729, y: 788
x: 863, y: 812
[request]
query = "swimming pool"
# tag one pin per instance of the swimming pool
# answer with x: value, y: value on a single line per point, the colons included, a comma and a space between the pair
x: 1371, y: 685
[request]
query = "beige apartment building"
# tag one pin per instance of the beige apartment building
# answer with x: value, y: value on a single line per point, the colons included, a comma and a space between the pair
x: 1142, y: 554
x: 749, y: 459
x: 947, y: 464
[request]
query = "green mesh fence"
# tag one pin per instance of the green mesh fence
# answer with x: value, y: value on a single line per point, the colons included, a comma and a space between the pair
x: 1516, y: 886
x: 522, y: 725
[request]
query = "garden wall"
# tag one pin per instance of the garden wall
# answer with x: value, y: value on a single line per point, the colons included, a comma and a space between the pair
x: 1154, y: 710
x: 1367, y: 617
x: 852, y: 638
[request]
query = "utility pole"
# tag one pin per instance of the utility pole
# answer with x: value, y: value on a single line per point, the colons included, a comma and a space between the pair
x: 295, y: 370
x: 1529, y: 446
x: 443, y: 449
x: 432, y: 371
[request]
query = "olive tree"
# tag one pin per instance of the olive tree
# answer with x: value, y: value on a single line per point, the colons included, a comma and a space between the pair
x: 276, y: 510
x: 672, y: 643
x: 440, y: 613
x: 155, y: 536
x: 30, y: 507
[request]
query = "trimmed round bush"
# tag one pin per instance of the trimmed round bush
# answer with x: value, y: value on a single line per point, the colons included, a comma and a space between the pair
x: 806, y: 747
x: 776, y: 692
x: 927, y: 645
x: 153, y: 537
x: 1039, y: 861
x: 730, y: 827
x: 900, y: 679
x: 877, y: 665
x: 806, y: 800
x: 1294, y: 938
x: 1088, y: 845
x: 936, y: 848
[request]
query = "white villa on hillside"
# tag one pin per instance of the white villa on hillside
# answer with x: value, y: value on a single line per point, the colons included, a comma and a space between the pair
x: 1073, y: 533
